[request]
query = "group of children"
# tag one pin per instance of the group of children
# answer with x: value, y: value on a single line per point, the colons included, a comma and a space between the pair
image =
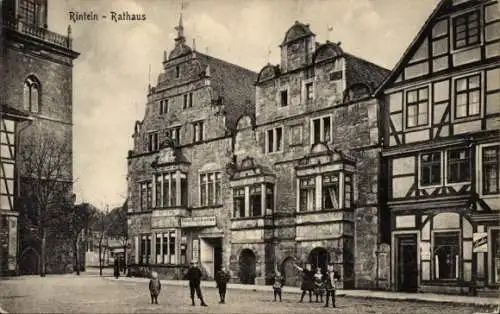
x: 320, y: 283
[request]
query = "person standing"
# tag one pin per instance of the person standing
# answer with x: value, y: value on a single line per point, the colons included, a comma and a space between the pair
x: 307, y: 281
x: 331, y: 284
x: 116, y: 268
x: 194, y: 276
x: 154, y: 287
x: 222, y: 278
x: 278, y: 283
x: 318, y: 285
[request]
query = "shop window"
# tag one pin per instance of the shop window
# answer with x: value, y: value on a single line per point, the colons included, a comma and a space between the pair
x: 330, y: 191
x: 256, y: 200
x: 430, y: 169
x: 458, y: 166
x: 490, y: 170
x: 239, y: 202
x: 446, y: 255
x: 307, y: 193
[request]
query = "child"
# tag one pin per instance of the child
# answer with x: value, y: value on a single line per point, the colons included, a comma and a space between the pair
x: 154, y: 287
x: 318, y: 283
x: 331, y: 279
x: 279, y: 281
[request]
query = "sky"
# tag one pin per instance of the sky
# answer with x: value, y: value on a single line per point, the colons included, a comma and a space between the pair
x: 118, y: 59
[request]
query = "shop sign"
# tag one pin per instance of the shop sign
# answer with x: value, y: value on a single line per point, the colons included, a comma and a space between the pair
x: 480, y: 242
x: 205, y: 221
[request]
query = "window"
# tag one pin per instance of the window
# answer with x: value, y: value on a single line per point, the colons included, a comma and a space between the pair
x: 210, y: 190
x: 197, y: 131
x: 31, y: 95
x: 184, y: 192
x: 417, y: 103
x: 458, y: 166
x: 321, y: 130
x: 153, y: 142
x: 171, y: 247
x: 167, y: 181
x: 158, y: 249
x: 270, y: 197
x: 296, y: 135
x: 164, y: 247
x: 335, y: 76
x: 28, y: 10
x: 177, y: 71
x: 430, y: 169
x: 167, y: 184
x: 347, y: 192
x: 256, y: 200
x: 446, y: 255
x: 163, y: 108
x: 490, y: 170
x: 158, y: 198
x: 307, y: 194
x: 239, y: 202
x: 274, y: 140
x: 284, y: 98
x: 309, y: 92
x: 330, y: 192
x: 190, y: 100
x: 145, y: 249
x: 467, y: 96
x: 174, y: 134
x: 466, y: 29
x: 496, y: 255
x: 185, y: 103
x: 146, y: 195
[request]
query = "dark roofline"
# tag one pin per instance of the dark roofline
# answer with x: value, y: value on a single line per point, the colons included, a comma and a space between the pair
x: 398, y: 67
x: 366, y: 61
x: 226, y: 62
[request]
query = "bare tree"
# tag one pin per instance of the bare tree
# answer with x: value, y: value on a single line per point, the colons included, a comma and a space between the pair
x: 118, y: 228
x: 46, y: 165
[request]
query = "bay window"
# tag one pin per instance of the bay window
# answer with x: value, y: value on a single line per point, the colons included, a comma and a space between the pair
x: 490, y: 158
x: 166, y: 189
x: 210, y: 190
x: 458, y: 166
x: 430, y: 169
x: 307, y: 194
x: 446, y: 255
x: 254, y: 200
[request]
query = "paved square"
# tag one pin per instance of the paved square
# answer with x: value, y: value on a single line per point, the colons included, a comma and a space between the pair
x: 84, y: 294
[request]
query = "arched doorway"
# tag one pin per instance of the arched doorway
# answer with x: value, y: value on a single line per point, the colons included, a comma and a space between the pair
x: 319, y: 257
x: 29, y: 262
x: 288, y: 270
x: 247, y: 267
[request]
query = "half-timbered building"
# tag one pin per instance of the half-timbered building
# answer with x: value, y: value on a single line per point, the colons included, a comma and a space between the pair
x: 441, y: 152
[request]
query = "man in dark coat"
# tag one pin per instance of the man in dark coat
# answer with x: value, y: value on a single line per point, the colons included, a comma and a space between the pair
x: 194, y: 276
x: 116, y: 269
x: 222, y: 278
x: 307, y: 281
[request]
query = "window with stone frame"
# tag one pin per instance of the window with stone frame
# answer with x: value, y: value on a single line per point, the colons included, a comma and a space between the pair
x: 239, y: 202
x: 32, y: 94
x: 185, y: 102
x: 174, y: 134
x: 284, y: 98
x: 158, y: 190
x: 466, y: 29
x: 296, y: 135
x: 255, y: 200
x: 198, y: 131
x: 490, y: 162
x: 153, y: 142
x: 309, y: 92
x: 321, y: 130
x: 430, y: 169
x: 270, y: 197
x: 145, y: 194
x: 163, y: 106
x: 467, y: 96
x: 307, y: 194
x: 274, y: 140
x: 159, y: 258
x: 348, y: 193
x: 172, y: 247
x: 164, y: 253
x: 170, y: 188
x: 210, y: 189
x: 29, y: 11
x: 177, y: 71
x: 330, y: 191
x: 417, y: 105
x: 145, y: 249
x: 446, y: 251
x: 458, y: 165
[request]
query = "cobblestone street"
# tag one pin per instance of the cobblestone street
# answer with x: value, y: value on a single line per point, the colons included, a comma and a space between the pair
x: 85, y: 294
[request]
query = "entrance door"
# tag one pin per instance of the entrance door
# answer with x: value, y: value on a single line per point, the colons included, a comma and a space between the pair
x: 30, y: 262
x: 407, y: 263
x: 217, y: 258
x: 319, y: 257
x: 247, y: 267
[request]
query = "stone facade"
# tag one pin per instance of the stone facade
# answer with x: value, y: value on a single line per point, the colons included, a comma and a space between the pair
x: 36, y: 67
x: 313, y: 118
